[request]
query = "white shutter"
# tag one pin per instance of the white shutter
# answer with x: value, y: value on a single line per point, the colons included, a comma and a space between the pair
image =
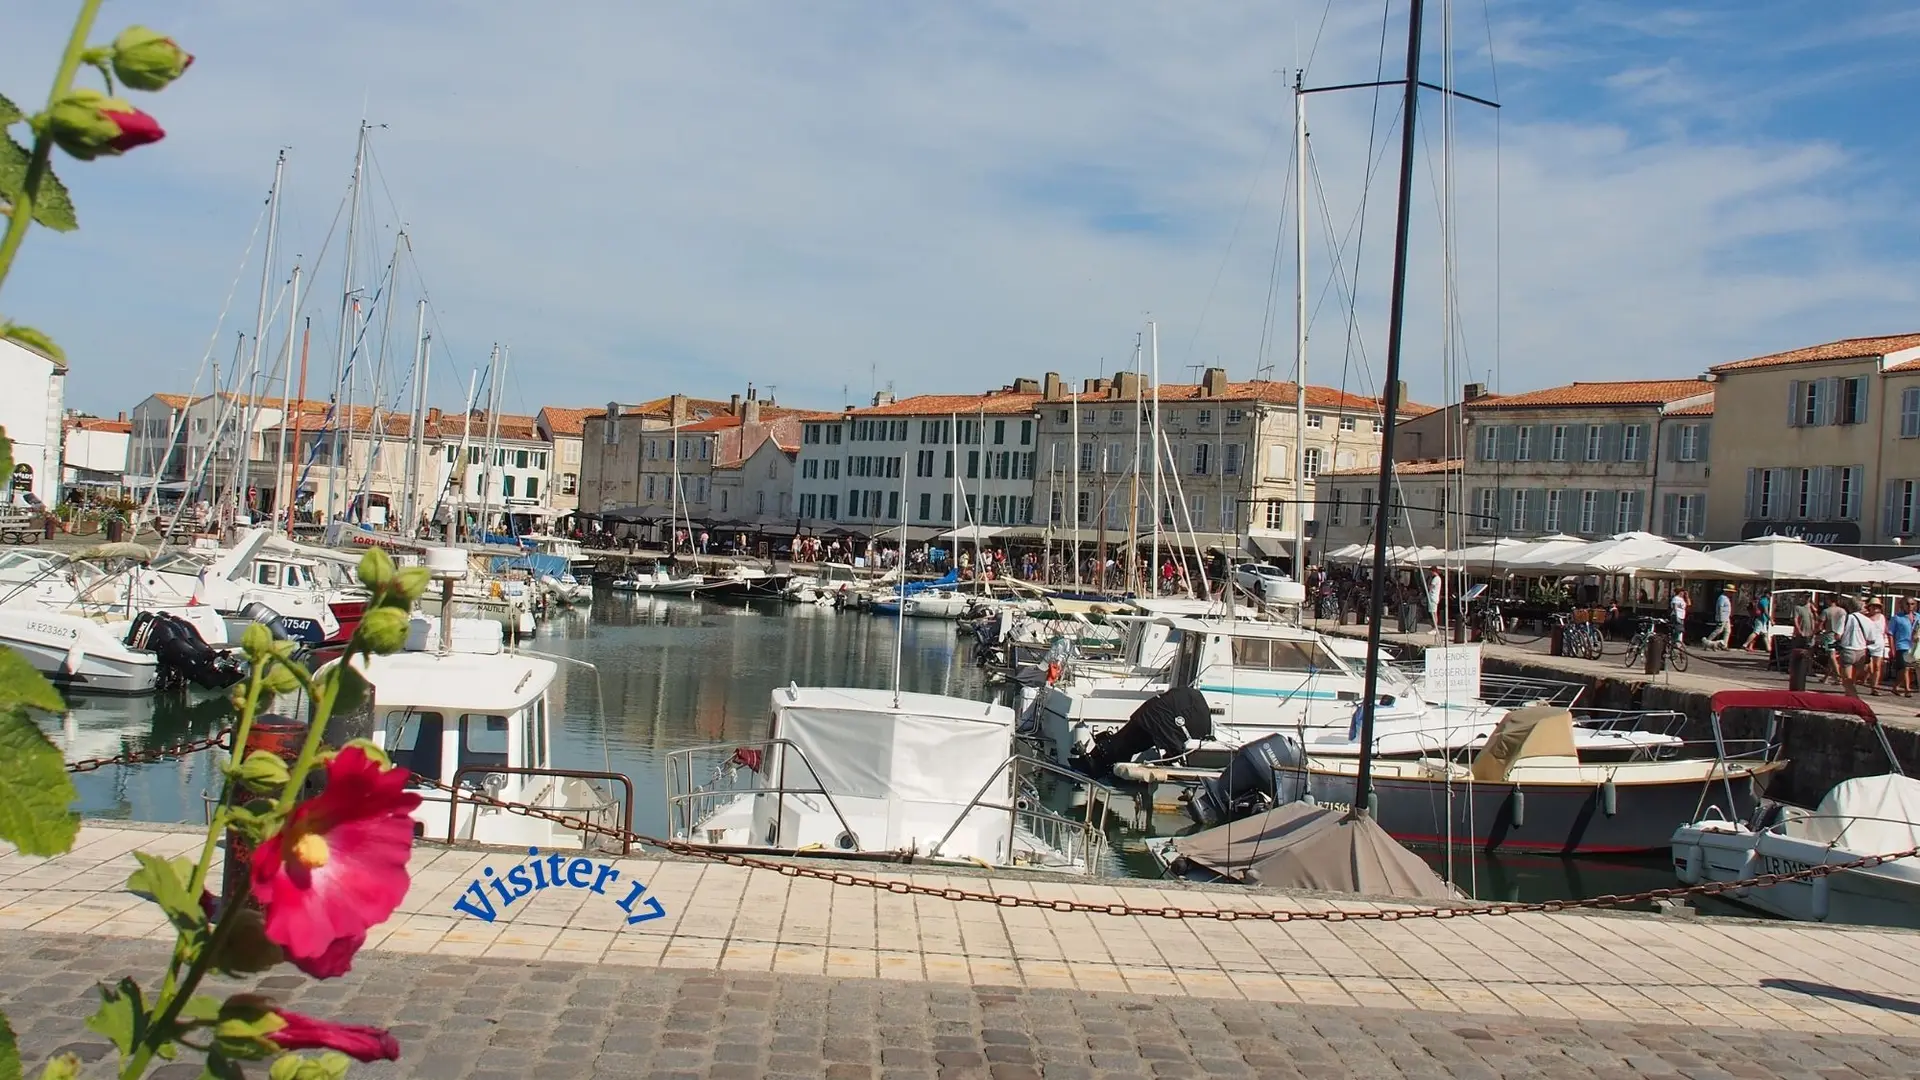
x: 1794, y: 395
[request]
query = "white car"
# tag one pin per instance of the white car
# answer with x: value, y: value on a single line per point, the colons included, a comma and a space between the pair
x: 1253, y: 577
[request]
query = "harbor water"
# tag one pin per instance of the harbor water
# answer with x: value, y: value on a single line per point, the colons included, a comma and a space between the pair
x: 674, y: 672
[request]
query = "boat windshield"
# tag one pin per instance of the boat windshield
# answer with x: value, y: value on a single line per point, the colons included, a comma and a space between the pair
x: 1284, y: 655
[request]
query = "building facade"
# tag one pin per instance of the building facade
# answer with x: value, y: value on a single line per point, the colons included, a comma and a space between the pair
x: 1827, y: 447
x: 93, y: 451
x: 563, y: 429
x: 32, y: 408
x: 1584, y: 459
x: 1426, y: 496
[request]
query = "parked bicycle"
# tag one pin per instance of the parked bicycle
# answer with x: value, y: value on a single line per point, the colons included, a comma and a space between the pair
x: 1649, y: 627
x: 1487, y: 619
x: 1579, y: 639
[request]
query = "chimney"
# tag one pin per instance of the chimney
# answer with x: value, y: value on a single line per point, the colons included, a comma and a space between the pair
x: 752, y: 415
x: 1214, y: 382
x: 1051, y: 389
x: 121, y: 417
x: 1473, y: 391
x: 733, y: 406
x: 1400, y: 393
x: 677, y: 409
x: 752, y: 394
x: 1093, y: 387
x: 1026, y: 386
x: 882, y: 397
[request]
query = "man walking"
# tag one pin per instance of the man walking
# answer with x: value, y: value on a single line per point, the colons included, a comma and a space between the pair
x: 1900, y: 636
x: 1722, y: 635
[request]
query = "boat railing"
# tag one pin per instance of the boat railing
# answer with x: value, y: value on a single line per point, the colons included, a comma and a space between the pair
x: 1080, y: 839
x: 1623, y: 721
x: 595, y: 814
x: 689, y: 803
x: 1504, y: 691
x: 1796, y: 817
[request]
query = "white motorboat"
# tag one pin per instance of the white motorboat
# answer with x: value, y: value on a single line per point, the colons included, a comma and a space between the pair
x: 78, y: 652
x: 567, y: 590
x: 660, y: 582
x: 1263, y: 678
x: 456, y: 708
x: 254, y: 580
x: 936, y: 604
x: 846, y: 772
x: 1858, y: 818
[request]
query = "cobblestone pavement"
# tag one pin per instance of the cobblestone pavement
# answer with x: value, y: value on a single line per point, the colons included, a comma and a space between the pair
x: 1574, y: 966
x: 495, y: 1019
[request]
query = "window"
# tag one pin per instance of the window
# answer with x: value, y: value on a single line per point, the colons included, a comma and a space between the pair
x: 520, y: 459
x: 1553, y: 510
x: 1488, y: 515
x: 1270, y: 654
x: 1205, y: 418
x: 831, y: 503
x: 1311, y: 469
x: 834, y: 432
x: 1853, y: 400
x: 1517, y: 512
x: 1686, y: 515
x: 1366, y: 506
x: 1228, y: 518
x: 973, y: 464
x: 948, y: 472
x: 649, y: 487
x: 926, y: 505
x: 1200, y: 452
x: 1767, y: 501
x: 1314, y: 420
x: 808, y: 505
x: 1595, y: 440
x: 1630, y: 441
x: 1902, y: 507
x: 533, y: 487
x: 1440, y: 507
x: 1083, y: 508
x: 1626, y: 516
x: 1276, y: 515
x: 1523, y: 444
x: 893, y: 505
x: 1589, y: 511
x: 812, y: 434
x: 1347, y: 424
x: 1234, y: 416
x: 506, y: 486
x: 653, y: 449
x: 1230, y: 460
x: 1025, y: 512
x: 723, y: 500
x: 1026, y: 433
x: 1489, y: 444
x: 1910, y: 413
x: 1061, y: 417
x: 999, y: 432
x: 1086, y: 457
x: 1337, y: 506
x: 1850, y: 484
x: 1687, y: 446
x: 923, y: 463
x: 1117, y: 416
x: 946, y: 508
x: 1056, y: 508
x: 1113, y: 463
x: 1803, y: 506
x: 569, y: 484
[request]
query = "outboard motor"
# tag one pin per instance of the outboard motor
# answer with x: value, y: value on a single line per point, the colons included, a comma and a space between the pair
x: 185, y: 657
x: 307, y: 632
x: 1165, y: 722
x: 1263, y: 774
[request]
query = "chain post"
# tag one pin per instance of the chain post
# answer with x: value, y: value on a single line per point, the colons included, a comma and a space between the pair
x: 276, y: 735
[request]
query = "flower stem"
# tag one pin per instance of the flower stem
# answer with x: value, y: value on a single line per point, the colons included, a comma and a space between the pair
x: 22, y: 213
x: 317, y: 717
x: 136, y: 1065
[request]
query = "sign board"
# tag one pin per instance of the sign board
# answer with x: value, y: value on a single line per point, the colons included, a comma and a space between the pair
x: 1452, y: 674
x: 1813, y: 532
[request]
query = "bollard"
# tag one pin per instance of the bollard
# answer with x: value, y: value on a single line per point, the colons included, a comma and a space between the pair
x: 1557, y: 642
x: 276, y: 735
x: 1799, y: 666
x: 1657, y: 654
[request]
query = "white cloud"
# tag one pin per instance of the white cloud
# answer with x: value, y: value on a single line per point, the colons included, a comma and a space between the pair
x: 649, y: 199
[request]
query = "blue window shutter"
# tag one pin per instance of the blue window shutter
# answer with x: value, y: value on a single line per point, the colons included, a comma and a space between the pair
x: 1794, y: 396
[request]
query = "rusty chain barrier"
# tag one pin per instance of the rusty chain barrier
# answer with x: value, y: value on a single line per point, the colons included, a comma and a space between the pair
x: 1081, y: 907
x: 159, y: 753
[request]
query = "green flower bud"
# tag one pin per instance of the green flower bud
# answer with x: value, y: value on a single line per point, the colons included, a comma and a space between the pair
x: 257, y: 641
x: 376, y: 569
x: 263, y: 771
x: 382, y: 630
x: 280, y: 679
x: 146, y: 59
x: 411, y: 582
x: 87, y: 123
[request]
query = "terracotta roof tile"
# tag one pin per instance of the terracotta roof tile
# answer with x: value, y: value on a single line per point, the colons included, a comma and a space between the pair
x: 565, y: 421
x: 1007, y: 402
x: 1903, y: 367
x: 1638, y: 392
x: 96, y: 423
x: 1704, y: 408
x: 1436, y: 467
x: 1844, y: 349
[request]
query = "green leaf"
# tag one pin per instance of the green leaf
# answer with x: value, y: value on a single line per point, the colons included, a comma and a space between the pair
x: 165, y: 881
x: 200, y: 1007
x: 64, y: 1067
x: 35, y: 790
x: 9, y: 1048
x: 36, y: 340
x: 52, y: 206
x: 122, y: 1017
x: 6, y: 453
x: 352, y: 692
x: 246, y: 950
x: 9, y: 114
x: 20, y: 684
x: 245, y: 1022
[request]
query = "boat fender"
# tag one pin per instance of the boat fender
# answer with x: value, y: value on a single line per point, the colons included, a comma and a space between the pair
x: 1687, y: 865
x: 75, y: 657
x: 1609, y: 798
x: 1519, y: 806
x: 1822, y: 886
x: 1373, y: 806
x: 1749, y: 868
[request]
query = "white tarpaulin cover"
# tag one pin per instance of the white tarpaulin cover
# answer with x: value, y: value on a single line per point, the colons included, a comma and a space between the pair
x: 929, y: 749
x: 1868, y: 815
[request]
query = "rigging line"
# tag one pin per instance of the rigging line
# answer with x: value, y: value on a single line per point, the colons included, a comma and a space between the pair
x: 1456, y: 335
x: 1314, y: 49
x: 1269, y: 318
x: 1335, y: 243
x: 1253, y: 185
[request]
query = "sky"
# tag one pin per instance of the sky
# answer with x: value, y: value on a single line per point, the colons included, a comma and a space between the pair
x: 832, y: 198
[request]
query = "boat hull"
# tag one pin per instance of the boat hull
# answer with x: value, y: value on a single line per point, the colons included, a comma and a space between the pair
x: 1887, y: 895
x: 97, y: 664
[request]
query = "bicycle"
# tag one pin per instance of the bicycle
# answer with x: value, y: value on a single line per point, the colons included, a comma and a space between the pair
x: 1649, y: 626
x: 1492, y: 626
x: 1580, y: 640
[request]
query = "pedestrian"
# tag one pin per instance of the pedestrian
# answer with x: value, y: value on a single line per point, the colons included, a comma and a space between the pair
x: 1677, y: 611
x: 1900, y: 642
x: 1876, y: 645
x: 1722, y: 635
x: 1833, y: 619
x: 1762, y: 613
x: 1856, y: 634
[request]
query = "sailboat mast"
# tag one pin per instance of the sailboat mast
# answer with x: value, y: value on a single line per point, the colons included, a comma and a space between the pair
x: 1390, y: 399
x: 1073, y: 462
x: 347, y: 321
x: 1300, y: 327
x: 247, y: 411
x: 293, y: 466
x: 422, y: 350
x: 1133, y: 488
x: 900, y: 611
x: 1153, y: 566
x: 489, y: 456
x: 287, y: 400
x: 953, y: 438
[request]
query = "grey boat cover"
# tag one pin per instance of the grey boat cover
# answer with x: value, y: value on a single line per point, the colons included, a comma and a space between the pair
x: 1305, y: 846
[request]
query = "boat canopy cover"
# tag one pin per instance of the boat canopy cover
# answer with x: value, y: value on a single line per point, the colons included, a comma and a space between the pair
x: 928, y: 749
x: 1788, y: 699
x: 1533, y: 732
x: 1868, y: 815
x: 1304, y: 846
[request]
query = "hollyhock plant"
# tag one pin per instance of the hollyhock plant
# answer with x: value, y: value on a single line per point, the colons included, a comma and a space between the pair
x: 340, y: 864
x: 147, y: 59
x: 87, y: 123
x: 357, y: 1041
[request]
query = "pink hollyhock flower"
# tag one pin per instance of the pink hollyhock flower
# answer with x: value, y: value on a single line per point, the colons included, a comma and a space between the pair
x: 87, y: 123
x: 339, y: 866
x: 355, y: 1041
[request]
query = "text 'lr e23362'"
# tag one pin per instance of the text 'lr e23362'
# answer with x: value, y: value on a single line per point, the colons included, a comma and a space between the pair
x: 554, y: 871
